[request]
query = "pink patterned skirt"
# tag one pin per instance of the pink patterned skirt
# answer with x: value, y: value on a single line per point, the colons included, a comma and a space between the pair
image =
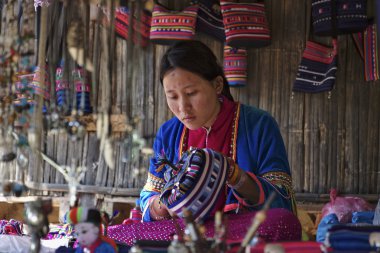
x: 280, y: 225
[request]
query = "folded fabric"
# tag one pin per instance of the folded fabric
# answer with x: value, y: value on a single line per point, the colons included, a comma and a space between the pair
x: 363, y: 217
x: 325, y: 224
x: 350, y: 237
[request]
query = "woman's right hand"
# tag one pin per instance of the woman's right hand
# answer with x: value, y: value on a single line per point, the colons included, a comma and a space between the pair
x: 158, y: 210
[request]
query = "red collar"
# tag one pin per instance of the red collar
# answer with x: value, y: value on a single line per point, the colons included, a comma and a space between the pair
x: 220, y: 134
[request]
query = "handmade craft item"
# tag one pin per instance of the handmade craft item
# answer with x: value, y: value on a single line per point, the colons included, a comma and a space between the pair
x: 87, y: 224
x: 196, y: 183
x: 333, y: 17
x: 210, y: 19
x: 235, y: 66
x: 245, y: 24
x: 317, y: 69
x: 169, y: 26
x: 140, y: 25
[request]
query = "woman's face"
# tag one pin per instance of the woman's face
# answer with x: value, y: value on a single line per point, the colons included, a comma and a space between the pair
x: 192, y: 99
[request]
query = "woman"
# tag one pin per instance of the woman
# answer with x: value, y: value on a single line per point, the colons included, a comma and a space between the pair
x: 206, y: 116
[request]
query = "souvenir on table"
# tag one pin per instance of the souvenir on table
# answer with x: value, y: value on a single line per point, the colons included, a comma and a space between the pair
x: 353, y: 238
x: 245, y: 24
x: 169, y: 26
x: 210, y: 19
x: 87, y: 226
x: 333, y: 17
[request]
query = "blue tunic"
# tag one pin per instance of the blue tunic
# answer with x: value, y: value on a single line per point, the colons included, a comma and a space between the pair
x: 260, y: 150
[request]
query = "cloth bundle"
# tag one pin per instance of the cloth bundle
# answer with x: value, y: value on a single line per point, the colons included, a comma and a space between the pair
x: 245, y: 24
x: 333, y: 17
x: 316, y: 72
x: 196, y: 183
x: 168, y: 26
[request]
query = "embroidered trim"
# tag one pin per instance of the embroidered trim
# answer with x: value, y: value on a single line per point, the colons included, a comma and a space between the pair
x: 235, y: 127
x: 282, y: 179
x: 183, y: 141
x: 154, y: 183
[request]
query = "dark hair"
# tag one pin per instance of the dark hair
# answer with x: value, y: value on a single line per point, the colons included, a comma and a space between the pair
x: 196, y: 57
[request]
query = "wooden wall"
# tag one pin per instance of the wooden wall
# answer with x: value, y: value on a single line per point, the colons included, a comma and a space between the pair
x: 332, y: 140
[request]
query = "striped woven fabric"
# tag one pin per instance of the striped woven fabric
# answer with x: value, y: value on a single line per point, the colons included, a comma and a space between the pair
x: 316, y: 72
x: 140, y: 27
x: 351, y: 16
x: 366, y: 44
x: 198, y: 183
x: 245, y: 24
x: 36, y: 85
x: 168, y: 26
x: 235, y: 66
x: 371, y: 53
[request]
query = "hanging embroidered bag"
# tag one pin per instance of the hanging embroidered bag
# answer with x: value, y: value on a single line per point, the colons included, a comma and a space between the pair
x: 316, y: 72
x: 245, y: 24
x: 169, y: 26
x: 210, y: 19
x: 348, y: 16
x: 366, y: 43
x: 197, y: 183
x: 235, y: 66
x: 141, y: 26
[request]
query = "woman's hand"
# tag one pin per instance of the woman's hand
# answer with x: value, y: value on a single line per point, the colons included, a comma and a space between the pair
x: 158, y: 210
x: 242, y: 183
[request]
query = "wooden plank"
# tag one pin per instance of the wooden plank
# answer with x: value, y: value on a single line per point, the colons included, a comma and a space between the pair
x: 50, y: 151
x: 62, y: 146
x: 264, y: 81
x: 373, y: 138
x: 92, y: 158
x: 350, y: 175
